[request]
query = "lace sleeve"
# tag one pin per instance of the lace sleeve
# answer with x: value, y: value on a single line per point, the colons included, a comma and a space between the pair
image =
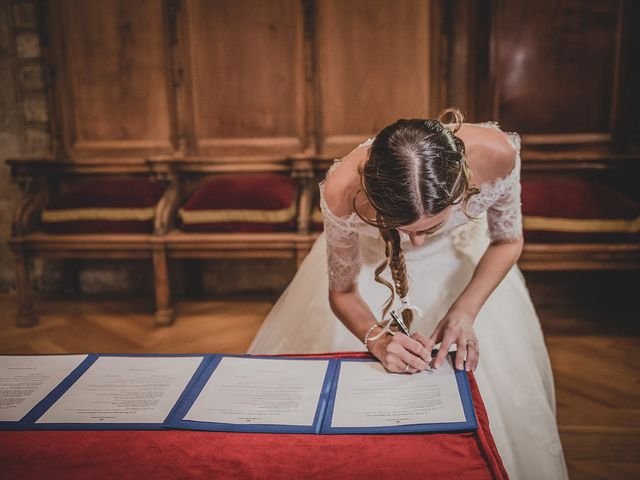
x: 504, y: 216
x: 343, y: 248
x: 342, y: 237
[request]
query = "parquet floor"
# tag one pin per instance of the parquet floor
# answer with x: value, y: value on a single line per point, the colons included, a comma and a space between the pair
x: 592, y: 331
x: 126, y: 326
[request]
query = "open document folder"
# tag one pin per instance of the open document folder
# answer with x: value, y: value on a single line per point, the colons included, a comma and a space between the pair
x: 246, y: 393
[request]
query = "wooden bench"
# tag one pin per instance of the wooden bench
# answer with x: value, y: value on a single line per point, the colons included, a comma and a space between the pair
x: 593, y: 169
x: 185, y: 174
x: 43, y: 178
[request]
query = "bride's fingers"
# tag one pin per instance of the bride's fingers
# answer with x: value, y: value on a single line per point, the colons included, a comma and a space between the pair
x: 408, y: 370
x: 405, y: 356
x: 428, y: 344
x: 443, y: 350
x: 415, y: 346
x: 461, y: 351
x: 473, y: 355
x: 398, y: 366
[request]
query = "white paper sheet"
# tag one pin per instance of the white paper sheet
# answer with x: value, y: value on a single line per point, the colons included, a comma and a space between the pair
x: 261, y: 391
x: 124, y: 390
x: 369, y: 396
x: 26, y: 379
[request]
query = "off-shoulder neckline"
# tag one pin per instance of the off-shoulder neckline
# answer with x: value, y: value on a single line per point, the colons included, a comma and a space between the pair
x: 484, y: 186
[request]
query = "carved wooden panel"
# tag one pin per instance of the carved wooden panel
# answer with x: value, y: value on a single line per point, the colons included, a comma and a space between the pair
x: 374, y: 62
x: 271, y: 79
x: 111, y: 78
x: 245, y: 76
x: 556, y: 69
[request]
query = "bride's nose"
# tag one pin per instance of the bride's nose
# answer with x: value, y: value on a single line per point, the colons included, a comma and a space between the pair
x: 416, y: 239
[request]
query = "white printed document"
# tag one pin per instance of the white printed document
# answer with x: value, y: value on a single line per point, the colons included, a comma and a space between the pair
x: 249, y: 391
x: 369, y: 396
x: 26, y: 379
x: 121, y: 389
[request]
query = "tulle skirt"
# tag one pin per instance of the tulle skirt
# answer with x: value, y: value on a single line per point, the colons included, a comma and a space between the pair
x: 514, y: 373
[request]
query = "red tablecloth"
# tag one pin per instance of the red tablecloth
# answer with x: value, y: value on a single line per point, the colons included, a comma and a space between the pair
x: 172, y: 454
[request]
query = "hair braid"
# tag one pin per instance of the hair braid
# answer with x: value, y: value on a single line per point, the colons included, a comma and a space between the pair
x: 399, y: 273
x: 383, y: 281
x: 394, y: 258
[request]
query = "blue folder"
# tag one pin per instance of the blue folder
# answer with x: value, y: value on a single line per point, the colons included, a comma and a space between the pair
x: 462, y: 380
x: 28, y: 421
x: 324, y: 410
x: 58, y: 390
x: 175, y: 419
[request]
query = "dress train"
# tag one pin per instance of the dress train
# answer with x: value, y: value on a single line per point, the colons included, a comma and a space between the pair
x: 514, y: 373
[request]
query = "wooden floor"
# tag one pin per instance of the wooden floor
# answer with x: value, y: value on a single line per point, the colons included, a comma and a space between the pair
x: 590, y: 322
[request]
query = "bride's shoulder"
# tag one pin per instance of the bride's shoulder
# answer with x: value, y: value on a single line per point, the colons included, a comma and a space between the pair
x: 335, y: 191
x: 343, y: 182
x: 491, y: 154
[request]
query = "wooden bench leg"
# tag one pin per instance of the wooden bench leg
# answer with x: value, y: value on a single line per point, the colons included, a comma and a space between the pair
x: 26, y: 317
x: 164, y: 311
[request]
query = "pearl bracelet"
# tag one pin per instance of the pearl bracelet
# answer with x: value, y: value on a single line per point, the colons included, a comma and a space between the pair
x: 385, y: 329
x: 366, y: 337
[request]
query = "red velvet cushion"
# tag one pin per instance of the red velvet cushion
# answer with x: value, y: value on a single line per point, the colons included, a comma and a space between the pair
x: 258, y: 202
x: 100, y: 205
x: 573, y: 210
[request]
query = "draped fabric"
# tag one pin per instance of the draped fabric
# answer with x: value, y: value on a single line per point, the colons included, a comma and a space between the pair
x: 175, y: 454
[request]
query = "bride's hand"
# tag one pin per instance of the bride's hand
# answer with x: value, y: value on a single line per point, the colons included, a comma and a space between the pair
x: 456, y: 327
x: 397, y: 351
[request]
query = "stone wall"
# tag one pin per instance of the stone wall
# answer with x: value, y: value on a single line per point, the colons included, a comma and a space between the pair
x: 23, y: 109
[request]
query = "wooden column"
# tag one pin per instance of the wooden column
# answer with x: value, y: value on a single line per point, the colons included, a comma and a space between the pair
x: 164, y: 311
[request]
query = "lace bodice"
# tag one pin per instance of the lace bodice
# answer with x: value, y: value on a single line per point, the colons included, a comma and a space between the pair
x: 499, y: 198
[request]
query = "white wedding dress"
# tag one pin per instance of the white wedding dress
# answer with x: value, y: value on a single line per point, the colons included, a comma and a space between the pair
x: 514, y: 373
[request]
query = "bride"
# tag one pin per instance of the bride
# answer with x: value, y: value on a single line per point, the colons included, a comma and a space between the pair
x: 430, y: 210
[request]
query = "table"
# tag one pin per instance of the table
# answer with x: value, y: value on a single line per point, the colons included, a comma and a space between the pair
x: 173, y: 454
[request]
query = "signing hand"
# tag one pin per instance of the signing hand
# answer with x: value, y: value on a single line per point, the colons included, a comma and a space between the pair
x: 400, y: 354
x: 456, y: 327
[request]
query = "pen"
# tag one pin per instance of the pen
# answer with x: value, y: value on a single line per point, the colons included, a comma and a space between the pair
x: 401, y: 324
x: 404, y: 329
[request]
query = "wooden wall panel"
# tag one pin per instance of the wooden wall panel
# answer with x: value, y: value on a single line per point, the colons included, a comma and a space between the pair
x: 111, y: 77
x: 245, y: 59
x: 253, y: 78
x: 557, y: 67
x: 466, y: 56
x: 373, y: 67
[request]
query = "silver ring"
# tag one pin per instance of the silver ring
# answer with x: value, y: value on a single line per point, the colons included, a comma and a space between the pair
x: 406, y: 368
